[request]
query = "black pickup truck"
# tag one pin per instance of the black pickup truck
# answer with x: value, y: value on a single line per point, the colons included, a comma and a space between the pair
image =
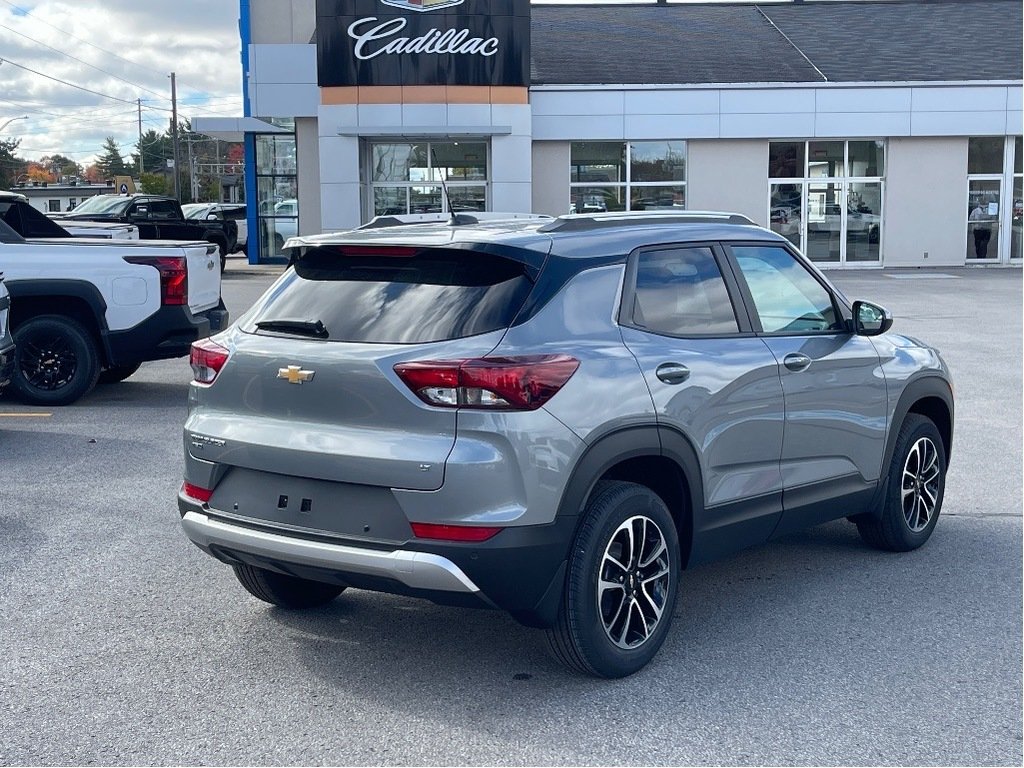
x: 158, y: 218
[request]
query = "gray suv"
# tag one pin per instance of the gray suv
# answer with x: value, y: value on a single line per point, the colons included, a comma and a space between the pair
x: 554, y: 418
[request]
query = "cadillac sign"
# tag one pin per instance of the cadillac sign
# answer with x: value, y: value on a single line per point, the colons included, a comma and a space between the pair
x: 423, y: 42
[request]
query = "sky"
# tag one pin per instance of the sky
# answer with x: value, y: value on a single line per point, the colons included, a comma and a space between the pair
x: 139, y: 43
x: 121, y: 50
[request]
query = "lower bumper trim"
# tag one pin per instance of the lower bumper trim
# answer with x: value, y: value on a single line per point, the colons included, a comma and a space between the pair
x: 418, y: 570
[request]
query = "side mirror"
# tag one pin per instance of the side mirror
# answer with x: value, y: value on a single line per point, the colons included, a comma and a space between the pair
x: 870, y: 319
x: 212, y: 217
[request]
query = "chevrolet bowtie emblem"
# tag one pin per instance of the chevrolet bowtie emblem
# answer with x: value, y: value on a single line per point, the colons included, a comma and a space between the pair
x: 295, y: 375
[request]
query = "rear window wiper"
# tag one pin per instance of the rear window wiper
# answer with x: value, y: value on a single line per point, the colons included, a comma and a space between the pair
x: 314, y: 328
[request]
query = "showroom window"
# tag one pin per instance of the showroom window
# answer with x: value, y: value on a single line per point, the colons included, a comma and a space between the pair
x: 406, y: 177
x: 631, y: 176
x: 825, y: 197
x: 993, y: 176
x: 276, y: 189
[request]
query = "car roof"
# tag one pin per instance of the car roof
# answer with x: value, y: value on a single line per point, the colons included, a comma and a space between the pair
x: 572, y: 236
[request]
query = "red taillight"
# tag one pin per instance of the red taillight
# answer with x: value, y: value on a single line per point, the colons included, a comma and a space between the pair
x: 453, y: 532
x: 173, y: 277
x: 195, y: 492
x: 207, y: 358
x: 489, y: 383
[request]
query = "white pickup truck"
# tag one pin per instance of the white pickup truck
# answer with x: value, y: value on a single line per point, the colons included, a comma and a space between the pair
x: 82, y: 308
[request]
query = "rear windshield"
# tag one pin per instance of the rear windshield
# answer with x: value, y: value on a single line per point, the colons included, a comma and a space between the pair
x: 434, y: 295
x: 28, y: 222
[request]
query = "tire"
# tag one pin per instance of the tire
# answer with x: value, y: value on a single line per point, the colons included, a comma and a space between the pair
x: 592, y: 635
x: 914, y: 489
x: 118, y: 373
x: 285, y: 591
x: 56, y: 361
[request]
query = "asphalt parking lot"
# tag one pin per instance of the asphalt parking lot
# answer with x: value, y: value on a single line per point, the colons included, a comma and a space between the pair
x: 123, y: 643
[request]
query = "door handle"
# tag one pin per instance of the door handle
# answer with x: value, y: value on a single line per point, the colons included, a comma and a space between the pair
x: 797, y: 362
x: 672, y: 373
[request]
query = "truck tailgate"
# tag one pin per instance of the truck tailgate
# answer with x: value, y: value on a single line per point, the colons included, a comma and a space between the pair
x: 203, y: 261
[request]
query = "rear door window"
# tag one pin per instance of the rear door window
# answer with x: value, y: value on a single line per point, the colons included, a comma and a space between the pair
x: 681, y: 292
x: 404, y: 297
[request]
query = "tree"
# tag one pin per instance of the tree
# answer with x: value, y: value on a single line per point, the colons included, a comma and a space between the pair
x: 155, y: 149
x: 61, y: 166
x: 38, y: 172
x: 155, y: 184
x: 10, y: 166
x: 110, y: 162
x: 94, y: 174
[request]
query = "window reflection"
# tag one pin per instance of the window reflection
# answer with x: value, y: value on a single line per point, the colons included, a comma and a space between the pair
x: 618, y: 176
x: 406, y: 177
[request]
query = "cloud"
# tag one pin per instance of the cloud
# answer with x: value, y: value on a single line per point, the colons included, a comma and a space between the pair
x: 197, y: 39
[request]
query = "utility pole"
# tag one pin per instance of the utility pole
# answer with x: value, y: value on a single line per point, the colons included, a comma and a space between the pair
x: 192, y: 186
x: 174, y: 137
x: 142, y: 167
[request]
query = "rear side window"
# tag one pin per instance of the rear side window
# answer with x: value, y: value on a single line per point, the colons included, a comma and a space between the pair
x: 430, y: 295
x: 680, y: 292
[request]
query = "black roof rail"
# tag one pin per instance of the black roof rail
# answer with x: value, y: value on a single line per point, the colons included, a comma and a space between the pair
x: 588, y: 222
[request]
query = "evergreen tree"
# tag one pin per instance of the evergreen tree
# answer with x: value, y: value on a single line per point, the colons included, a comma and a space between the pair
x: 110, y: 161
x: 10, y: 165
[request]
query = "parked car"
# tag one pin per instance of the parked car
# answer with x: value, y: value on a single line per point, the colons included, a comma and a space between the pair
x: 157, y: 218
x: 235, y: 212
x: 553, y: 418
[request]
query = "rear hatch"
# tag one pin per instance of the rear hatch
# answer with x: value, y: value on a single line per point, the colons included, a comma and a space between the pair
x: 203, y: 275
x: 310, y: 388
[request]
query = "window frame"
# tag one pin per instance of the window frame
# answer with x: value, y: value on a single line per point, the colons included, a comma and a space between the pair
x: 369, y: 186
x: 844, y: 181
x: 627, y: 185
x: 627, y: 301
x: 843, y: 312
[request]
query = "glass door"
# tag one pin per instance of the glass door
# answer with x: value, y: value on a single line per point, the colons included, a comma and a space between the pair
x: 983, y: 197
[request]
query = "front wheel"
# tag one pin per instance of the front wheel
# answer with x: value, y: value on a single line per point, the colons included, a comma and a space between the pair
x: 621, y: 583
x: 56, y: 361
x: 285, y: 591
x: 916, y: 484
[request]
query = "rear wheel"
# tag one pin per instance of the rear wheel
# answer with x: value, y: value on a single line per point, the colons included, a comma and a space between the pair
x: 916, y: 484
x: 621, y: 583
x: 56, y: 361
x: 118, y: 373
x: 285, y: 591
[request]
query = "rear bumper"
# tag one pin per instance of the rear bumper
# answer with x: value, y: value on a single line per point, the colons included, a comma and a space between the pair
x: 168, y: 332
x: 521, y: 570
x: 417, y: 570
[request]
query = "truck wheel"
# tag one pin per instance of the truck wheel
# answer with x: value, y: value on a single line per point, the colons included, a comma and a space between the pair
x: 285, y: 591
x: 621, y: 583
x: 56, y: 361
x: 118, y: 373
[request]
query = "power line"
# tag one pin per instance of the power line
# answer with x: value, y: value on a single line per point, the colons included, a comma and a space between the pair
x: 65, y: 82
x: 75, y: 58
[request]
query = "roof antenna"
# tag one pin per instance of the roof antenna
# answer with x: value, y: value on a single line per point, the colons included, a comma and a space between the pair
x: 452, y: 218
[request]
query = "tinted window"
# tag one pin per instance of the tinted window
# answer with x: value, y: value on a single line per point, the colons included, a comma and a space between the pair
x: 430, y: 296
x: 28, y: 222
x: 787, y: 297
x: 162, y: 209
x: 680, y: 292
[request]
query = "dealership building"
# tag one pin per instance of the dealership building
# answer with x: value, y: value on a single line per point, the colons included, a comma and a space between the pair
x: 869, y: 133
